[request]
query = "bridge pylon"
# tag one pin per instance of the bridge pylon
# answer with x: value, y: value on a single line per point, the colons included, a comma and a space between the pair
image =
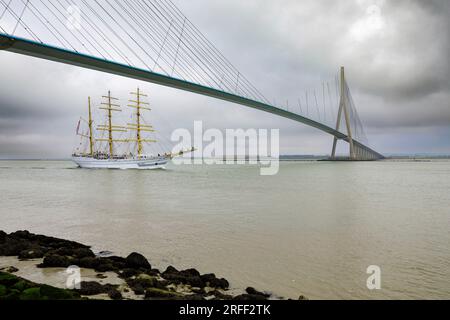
x: 343, y: 108
x: 347, y: 112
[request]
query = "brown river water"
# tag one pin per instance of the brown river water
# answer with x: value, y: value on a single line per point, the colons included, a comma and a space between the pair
x: 313, y: 229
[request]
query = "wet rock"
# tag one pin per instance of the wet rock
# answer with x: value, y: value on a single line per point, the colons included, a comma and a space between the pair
x: 88, y: 263
x: 81, y: 253
x: 136, y: 260
x: 142, y: 283
x: 11, y: 247
x: 128, y: 273
x: 117, y: 262
x: 253, y: 291
x: 15, y: 288
x: 105, y: 268
x: 153, y: 272
x: 3, y: 236
x: 56, y: 261
x: 212, y: 281
x: 23, y: 234
x: 114, y: 294
x: 136, y: 286
x: 189, y: 276
x: 154, y: 293
x: 198, y: 290
x: 190, y: 273
x: 31, y: 294
x: 250, y: 297
x: 107, y: 264
x: 171, y: 269
x: 221, y: 296
x: 10, y: 269
x: 91, y: 288
x: 35, y: 253
x: 192, y: 297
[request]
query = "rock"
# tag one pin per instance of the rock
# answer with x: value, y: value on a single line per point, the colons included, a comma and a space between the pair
x: 10, y: 269
x: 250, y: 297
x: 105, y: 267
x: 83, y: 253
x: 128, y: 273
x: 24, y: 234
x: 118, y: 262
x: 106, y: 264
x: 192, y: 297
x: 3, y: 291
x: 53, y: 293
x: 136, y: 260
x: 56, y: 261
x: 145, y: 278
x: 3, y: 236
x: 31, y: 294
x: 190, y: 273
x: 189, y: 276
x: 211, y: 280
x: 253, y: 291
x: 35, y: 253
x: 142, y: 283
x: 13, y: 247
x: 114, y: 294
x: 198, y: 290
x: 221, y: 296
x: 137, y: 287
x: 15, y: 288
x: 91, y: 288
x: 101, y: 276
x: 159, y: 293
x: 88, y: 263
x: 170, y: 269
x: 303, y: 298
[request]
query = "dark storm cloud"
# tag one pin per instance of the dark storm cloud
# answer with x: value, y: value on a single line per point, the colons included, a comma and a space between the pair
x: 395, y: 54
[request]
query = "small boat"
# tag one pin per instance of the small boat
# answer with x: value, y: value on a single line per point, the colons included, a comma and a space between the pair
x: 102, y: 152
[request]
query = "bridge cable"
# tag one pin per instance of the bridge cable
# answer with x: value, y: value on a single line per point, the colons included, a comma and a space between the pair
x: 96, y: 29
x: 84, y: 36
x: 214, y: 49
x: 195, y: 59
x: 20, y: 18
x: 23, y: 24
x: 202, y: 43
x: 171, y: 49
x: 184, y: 65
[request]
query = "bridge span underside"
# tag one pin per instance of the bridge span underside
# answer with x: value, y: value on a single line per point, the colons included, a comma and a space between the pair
x: 47, y: 52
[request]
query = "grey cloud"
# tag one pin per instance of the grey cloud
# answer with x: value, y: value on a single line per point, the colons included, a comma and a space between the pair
x: 399, y: 75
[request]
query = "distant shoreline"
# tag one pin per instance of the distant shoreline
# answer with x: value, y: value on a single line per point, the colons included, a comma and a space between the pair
x: 288, y: 158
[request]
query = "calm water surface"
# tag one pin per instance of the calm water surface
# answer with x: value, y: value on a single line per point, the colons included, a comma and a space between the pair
x: 313, y: 229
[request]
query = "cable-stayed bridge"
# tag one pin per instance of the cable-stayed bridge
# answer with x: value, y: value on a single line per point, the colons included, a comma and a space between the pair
x: 151, y: 40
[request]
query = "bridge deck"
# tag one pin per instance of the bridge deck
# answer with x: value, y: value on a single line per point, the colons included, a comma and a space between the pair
x: 43, y: 51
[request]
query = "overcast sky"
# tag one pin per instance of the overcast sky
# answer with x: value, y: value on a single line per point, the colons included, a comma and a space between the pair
x: 396, y: 55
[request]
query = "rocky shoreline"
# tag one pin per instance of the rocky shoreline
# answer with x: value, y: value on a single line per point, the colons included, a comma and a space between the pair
x: 138, y: 277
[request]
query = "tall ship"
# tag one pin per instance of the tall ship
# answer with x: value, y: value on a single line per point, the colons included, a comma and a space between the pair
x: 105, y: 151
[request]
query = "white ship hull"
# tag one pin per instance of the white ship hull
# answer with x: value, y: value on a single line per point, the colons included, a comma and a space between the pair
x: 139, y: 164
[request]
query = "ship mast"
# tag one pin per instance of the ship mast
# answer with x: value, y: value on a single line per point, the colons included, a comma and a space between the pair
x: 91, y: 138
x: 110, y: 108
x: 139, y: 105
